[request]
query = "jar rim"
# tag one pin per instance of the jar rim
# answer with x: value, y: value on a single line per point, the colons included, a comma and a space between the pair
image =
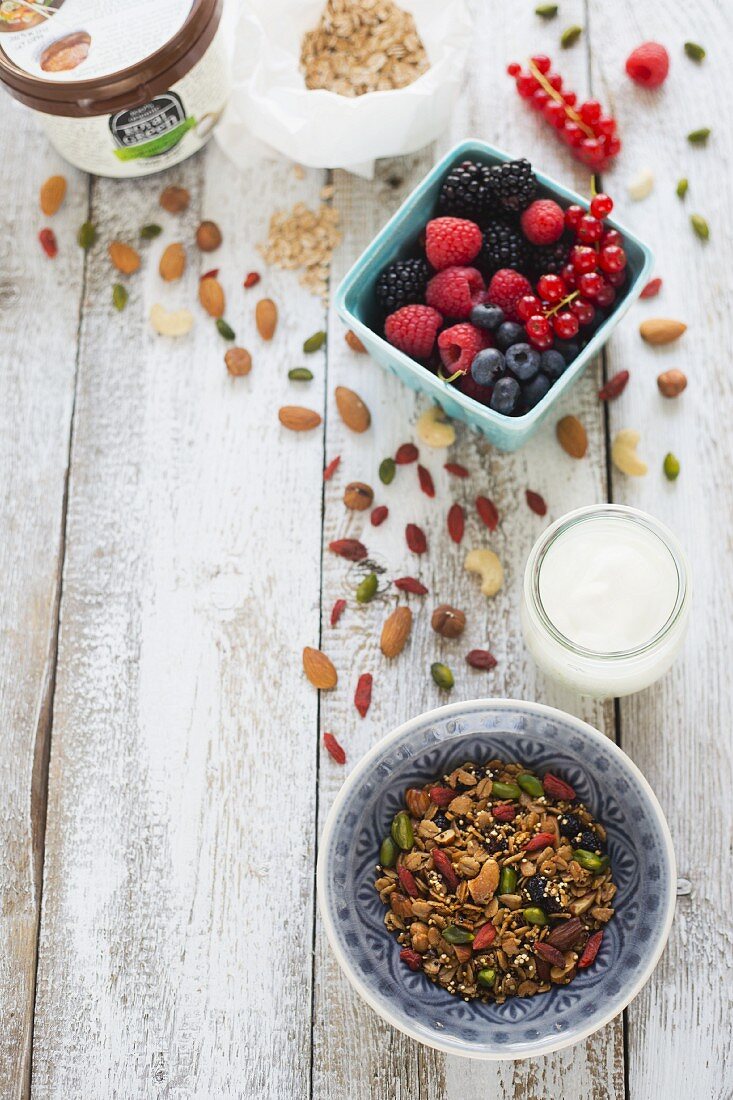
x: 591, y: 512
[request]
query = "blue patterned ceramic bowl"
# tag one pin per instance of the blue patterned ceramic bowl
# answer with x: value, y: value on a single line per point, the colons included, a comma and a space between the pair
x: 639, y: 844
x: 356, y: 303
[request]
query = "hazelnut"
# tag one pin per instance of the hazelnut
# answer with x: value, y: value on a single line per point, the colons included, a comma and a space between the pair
x: 238, y: 361
x: 358, y: 496
x: 208, y: 236
x: 175, y: 199
x: 448, y: 621
x: 671, y: 383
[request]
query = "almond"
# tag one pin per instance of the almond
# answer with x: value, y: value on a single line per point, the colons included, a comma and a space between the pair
x: 352, y: 410
x: 172, y: 262
x: 571, y: 436
x: 671, y: 383
x: 266, y: 318
x: 298, y: 419
x: 319, y: 669
x: 483, y: 886
x: 661, y: 330
x: 396, y: 631
x: 52, y: 194
x: 355, y: 343
x: 211, y: 296
x: 124, y: 257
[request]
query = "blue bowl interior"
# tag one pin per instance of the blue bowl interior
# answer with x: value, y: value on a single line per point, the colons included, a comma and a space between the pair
x: 639, y: 846
x: 356, y: 301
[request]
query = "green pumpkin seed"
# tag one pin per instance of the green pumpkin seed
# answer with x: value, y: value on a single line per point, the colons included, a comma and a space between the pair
x: 533, y: 915
x: 367, y: 589
x: 224, y: 329
x: 671, y: 467
x: 570, y: 36
x: 150, y: 232
x: 442, y: 676
x: 682, y: 186
x: 314, y: 342
x: 388, y: 852
x: 697, y: 53
x: 589, y: 861
x: 530, y: 784
x: 86, y: 236
x: 486, y: 977
x: 546, y: 11
x: 453, y: 934
x: 699, y: 137
x: 402, y: 833
x: 387, y: 470
x: 505, y: 790
x: 507, y: 880
x: 300, y: 374
x: 700, y: 226
x: 119, y: 296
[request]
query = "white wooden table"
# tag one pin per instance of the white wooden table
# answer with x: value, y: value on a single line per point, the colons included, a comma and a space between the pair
x: 163, y: 563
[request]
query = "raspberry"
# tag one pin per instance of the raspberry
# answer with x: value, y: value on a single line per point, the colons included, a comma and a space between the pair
x: 455, y: 291
x: 648, y: 65
x: 506, y: 288
x: 543, y: 222
x: 451, y: 241
x: 413, y: 329
x: 460, y: 344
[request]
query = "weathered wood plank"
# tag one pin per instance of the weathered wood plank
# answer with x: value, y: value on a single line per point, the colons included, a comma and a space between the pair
x: 677, y: 732
x: 178, y: 897
x: 351, y: 1043
x: 37, y: 359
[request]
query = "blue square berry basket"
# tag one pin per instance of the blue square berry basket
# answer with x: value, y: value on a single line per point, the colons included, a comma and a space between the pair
x: 356, y: 301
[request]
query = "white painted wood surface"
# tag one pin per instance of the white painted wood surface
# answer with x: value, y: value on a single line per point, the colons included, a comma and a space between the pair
x: 178, y: 951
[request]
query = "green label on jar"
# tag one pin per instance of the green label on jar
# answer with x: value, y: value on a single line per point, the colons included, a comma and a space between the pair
x: 152, y: 129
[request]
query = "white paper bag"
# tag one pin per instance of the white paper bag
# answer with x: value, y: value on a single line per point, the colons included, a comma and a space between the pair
x: 271, y: 104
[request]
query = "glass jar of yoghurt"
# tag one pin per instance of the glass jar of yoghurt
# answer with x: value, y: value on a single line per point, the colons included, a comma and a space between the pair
x: 122, y: 87
x: 606, y: 600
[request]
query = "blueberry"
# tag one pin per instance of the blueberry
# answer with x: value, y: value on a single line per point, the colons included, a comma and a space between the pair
x: 534, y: 390
x: 523, y: 361
x: 553, y: 364
x: 485, y: 316
x: 487, y: 367
x: 509, y: 333
x: 568, y: 349
x: 505, y: 397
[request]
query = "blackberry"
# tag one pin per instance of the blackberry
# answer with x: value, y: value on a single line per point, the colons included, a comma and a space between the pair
x: 513, y: 184
x: 402, y: 284
x: 497, y: 843
x: 579, y: 835
x: 543, y: 893
x: 467, y: 191
x: 589, y: 841
x: 504, y: 246
x: 569, y: 825
x: 441, y: 821
x: 548, y: 259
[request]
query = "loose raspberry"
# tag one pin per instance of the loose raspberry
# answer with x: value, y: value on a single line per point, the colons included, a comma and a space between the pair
x: 451, y: 241
x: 455, y: 291
x: 460, y: 344
x: 648, y: 65
x: 507, y: 286
x: 543, y: 222
x: 413, y: 329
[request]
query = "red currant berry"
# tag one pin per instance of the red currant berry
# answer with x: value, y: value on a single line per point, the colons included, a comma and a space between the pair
x: 514, y: 69
x: 612, y: 146
x: 539, y: 99
x: 527, y: 307
x: 611, y: 236
x: 573, y: 214
x: 538, y: 327
x: 570, y: 98
x: 572, y: 134
x: 583, y: 258
x: 526, y: 86
x: 612, y: 258
x: 542, y: 62
x: 551, y: 287
x: 601, y: 206
x: 590, y: 112
x: 616, y: 278
x: 589, y: 230
x: 605, y: 126
x: 568, y: 276
x: 566, y: 325
x: 606, y: 295
x: 592, y: 151
x: 554, y: 80
x: 542, y: 341
x: 583, y: 310
x: 554, y: 114
x: 590, y: 283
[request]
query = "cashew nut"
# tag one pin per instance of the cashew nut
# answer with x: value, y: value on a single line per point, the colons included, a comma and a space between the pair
x: 641, y: 185
x: 623, y: 453
x: 171, y: 323
x: 433, y: 428
x: 486, y: 563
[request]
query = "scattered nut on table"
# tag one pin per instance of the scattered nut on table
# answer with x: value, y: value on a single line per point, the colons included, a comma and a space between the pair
x: 623, y: 453
x: 487, y: 565
x: 175, y: 322
x: 434, y: 429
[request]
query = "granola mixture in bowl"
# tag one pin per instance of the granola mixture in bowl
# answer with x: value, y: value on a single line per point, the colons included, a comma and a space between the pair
x: 497, y: 884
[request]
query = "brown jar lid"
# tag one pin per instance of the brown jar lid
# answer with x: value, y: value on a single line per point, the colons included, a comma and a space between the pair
x: 130, y: 87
